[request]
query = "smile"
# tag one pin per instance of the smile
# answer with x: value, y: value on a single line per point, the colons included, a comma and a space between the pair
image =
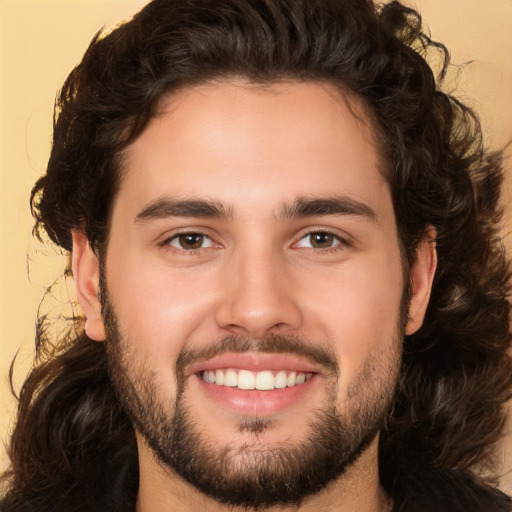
x: 262, y: 380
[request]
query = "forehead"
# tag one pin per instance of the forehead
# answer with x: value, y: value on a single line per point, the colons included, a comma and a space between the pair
x: 243, y: 144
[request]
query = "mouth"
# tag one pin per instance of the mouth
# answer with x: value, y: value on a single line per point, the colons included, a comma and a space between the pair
x: 264, y: 380
x: 256, y: 384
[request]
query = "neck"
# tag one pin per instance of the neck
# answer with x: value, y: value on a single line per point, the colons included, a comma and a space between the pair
x: 161, y: 490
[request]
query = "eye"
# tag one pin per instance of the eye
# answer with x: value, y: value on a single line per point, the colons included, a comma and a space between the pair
x: 190, y: 241
x: 319, y: 240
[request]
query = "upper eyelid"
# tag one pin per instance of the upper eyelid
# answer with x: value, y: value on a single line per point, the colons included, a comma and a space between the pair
x: 341, y: 235
x: 342, y: 242
x: 321, y: 230
x: 172, y: 234
x: 166, y: 244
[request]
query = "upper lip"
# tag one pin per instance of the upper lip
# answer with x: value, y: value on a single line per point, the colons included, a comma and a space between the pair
x: 257, y: 362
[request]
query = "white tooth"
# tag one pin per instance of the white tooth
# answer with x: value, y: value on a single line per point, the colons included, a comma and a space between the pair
x: 205, y: 376
x: 291, y: 380
x: 230, y: 378
x: 264, y: 380
x: 280, y: 380
x: 219, y: 377
x: 211, y: 376
x: 245, y: 379
x: 301, y: 378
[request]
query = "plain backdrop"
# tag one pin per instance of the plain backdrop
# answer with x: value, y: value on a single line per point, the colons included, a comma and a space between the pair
x: 40, y: 42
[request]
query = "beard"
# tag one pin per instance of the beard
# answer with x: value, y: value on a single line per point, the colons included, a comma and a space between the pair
x: 254, y: 475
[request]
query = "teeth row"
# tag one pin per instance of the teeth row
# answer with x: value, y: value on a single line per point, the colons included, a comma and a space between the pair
x: 245, y: 379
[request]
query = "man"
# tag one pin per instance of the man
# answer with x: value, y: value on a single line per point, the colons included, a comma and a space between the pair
x: 284, y: 244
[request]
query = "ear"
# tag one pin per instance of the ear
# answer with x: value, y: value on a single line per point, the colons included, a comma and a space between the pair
x: 422, y: 276
x: 86, y: 273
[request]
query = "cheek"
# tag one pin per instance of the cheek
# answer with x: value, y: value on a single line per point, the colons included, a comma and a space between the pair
x: 359, y: 311
x: 159, y: 310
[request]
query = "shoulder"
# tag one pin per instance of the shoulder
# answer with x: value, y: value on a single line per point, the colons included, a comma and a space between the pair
x: 450, y: 491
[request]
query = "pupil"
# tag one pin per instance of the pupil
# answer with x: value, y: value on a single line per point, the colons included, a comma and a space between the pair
x: 321, y: 240
x: 191, y: 241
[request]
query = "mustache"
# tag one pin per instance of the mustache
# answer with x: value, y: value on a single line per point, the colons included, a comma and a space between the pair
x: 271, y: 344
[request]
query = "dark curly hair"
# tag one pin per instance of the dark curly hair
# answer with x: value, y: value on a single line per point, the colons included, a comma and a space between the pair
x: 449, y: 410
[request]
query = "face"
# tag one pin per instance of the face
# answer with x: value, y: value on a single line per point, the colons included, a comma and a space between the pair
x: 252, y: 290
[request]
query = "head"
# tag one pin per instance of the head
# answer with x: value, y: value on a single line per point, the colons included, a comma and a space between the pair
x: 268, y: 186
x: 265, y: 206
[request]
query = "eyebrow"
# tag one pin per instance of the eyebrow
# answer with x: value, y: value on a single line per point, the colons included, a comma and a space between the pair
x: 166, y: 207
x: 301, y: 207
x: 336, y: 205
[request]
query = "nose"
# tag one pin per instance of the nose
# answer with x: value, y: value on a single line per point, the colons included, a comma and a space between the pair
x: 258, y: 297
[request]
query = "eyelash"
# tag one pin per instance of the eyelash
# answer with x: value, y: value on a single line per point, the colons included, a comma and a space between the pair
x: 166, y: 244
x: 339, y: 242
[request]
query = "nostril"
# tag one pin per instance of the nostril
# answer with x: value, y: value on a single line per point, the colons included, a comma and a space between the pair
x: 240, y: 319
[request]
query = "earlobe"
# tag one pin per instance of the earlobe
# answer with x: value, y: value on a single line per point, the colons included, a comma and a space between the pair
x: 422, y: 276
x: 86, y: 274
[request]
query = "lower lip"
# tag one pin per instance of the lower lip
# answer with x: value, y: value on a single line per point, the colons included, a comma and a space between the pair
x: 256, y: 402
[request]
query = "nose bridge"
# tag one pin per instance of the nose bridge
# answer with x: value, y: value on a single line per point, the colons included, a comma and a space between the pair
x: 259, y: 293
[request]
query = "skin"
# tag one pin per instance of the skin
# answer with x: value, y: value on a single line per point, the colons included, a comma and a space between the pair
x: 256, y: 151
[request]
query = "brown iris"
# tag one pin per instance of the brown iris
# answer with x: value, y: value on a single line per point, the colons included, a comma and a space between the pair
x: 321, y: 240
x: 191, y: 241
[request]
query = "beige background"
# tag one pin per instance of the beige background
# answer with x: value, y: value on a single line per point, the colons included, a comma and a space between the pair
x: 41, y: 40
